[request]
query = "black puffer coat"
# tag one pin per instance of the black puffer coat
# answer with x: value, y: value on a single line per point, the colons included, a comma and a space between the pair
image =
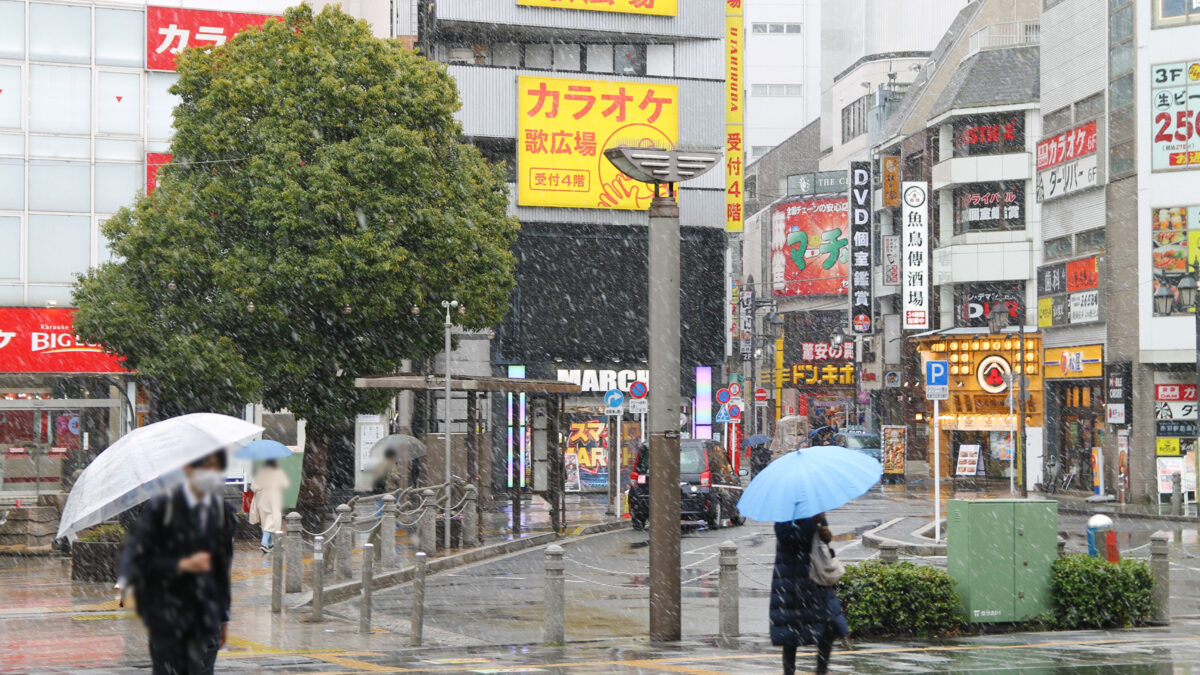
x: 801, y: 611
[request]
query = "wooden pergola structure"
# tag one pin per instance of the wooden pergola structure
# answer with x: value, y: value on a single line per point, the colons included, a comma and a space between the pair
x: 552, y: 391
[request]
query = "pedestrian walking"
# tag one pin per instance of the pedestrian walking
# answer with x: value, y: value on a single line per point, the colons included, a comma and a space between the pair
x: 804, y: 611
x: 266, y: 508
x: 178, y: 561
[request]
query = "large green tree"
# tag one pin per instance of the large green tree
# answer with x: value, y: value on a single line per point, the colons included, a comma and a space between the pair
x: 319, y: 191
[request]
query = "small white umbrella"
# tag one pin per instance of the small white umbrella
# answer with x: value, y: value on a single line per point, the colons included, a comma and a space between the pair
x: 145, y: 462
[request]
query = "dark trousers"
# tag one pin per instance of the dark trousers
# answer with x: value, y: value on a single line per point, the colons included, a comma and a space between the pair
x: 189, y: 655
x: 824, y: 647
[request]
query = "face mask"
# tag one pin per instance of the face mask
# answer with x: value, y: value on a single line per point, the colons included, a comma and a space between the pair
x: 208, y: 481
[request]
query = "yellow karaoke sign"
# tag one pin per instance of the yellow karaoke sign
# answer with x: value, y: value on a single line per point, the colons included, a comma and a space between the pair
x: 564, y: 127
x: 655, y: 7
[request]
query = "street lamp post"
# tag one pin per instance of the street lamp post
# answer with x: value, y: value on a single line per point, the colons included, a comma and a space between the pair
x: 448, y: 305
x: 664, y: 167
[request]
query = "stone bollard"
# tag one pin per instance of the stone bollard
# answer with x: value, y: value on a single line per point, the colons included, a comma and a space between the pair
x: 277, y: 573
x: 1176, y: 494
x: 293, y: 572
x: 470, y: 533
x: 1160, y: 565
x: 368, y: 580
x: 727, y: 596
x: 1062, y: 546
x: 418, y: 607
x: 343, y: 543
x: 428, y: 527
x: 387, y: 533
x: 554, y: 621
x: 318, y: 597
x: 889, y: 552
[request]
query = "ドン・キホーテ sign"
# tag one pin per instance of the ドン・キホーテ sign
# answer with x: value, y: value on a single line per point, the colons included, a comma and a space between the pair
x: 36, y: 340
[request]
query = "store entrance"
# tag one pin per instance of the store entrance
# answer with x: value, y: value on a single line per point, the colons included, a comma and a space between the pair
x: 1082, y: 429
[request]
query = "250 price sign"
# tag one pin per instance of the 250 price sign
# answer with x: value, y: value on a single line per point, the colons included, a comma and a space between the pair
x: 1175, y: 114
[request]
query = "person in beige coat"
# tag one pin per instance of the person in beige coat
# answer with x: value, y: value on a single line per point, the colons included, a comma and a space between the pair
x: 266, y: 508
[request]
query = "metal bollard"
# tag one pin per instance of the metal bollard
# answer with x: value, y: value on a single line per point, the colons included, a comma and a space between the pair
x: 387, y: 533
x: 889, y: 552
x: 343, y: 543
x: 727, y: 599
x: 277, y: 573
x: 293, y: 572
x: 554, y: 621
x: 318, y: 598
x: 1160, y: 565
x: 418, y: 608
x: 470, y: 518
x: 368, y: 580
x: 1062, y: 546
x: 1176, y: 494
x: 428, y: 526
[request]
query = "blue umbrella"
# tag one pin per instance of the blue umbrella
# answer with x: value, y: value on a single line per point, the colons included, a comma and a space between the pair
x: 756, y: 439
x: 263, y: 450
x: 809, y: 481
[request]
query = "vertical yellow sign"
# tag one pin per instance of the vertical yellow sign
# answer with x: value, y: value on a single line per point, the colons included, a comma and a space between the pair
x: 564, y: 128
x: 735, y: 49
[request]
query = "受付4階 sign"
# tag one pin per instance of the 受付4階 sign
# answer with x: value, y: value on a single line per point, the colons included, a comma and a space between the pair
x: 43, y: 341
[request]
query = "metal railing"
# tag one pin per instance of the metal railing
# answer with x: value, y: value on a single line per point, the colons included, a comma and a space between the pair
x: 1005, y: 35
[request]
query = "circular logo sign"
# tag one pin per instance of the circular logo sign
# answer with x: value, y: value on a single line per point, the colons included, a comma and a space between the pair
x: 862, y: 323
x: 914, y: 196
x: 993, y: 373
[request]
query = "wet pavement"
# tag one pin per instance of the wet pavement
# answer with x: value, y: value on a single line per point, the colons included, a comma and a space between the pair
x: 476, y: 613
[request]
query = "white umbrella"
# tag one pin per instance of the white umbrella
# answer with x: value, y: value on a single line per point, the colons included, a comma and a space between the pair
x: 145, y: 462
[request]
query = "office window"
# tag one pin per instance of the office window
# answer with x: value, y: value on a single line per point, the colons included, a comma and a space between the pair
x: 119, y: 99
x: 630, y: 59
x: 1121, y: 154
x: 117, y: 185
x: 757, y: 151
x: 1059, y: 247
x: 506, y: 55
x: 60, y: 99
x: 10, y: 106
x: 1090, y: 108
x: 775, y: 28
x: 660, y: 60
x: 776, y: 90
x: 539, y: 56
x: 159, y: 104
x: 1092, y: 240
x: 990, y: 134
x: 12, y: 29
x: 112, y: 148
x: 1055, y: 121
x: 119, y: 40
x: 65, y: 147
x: 600, y: 58
x: 59, y: 186
x: 983, y: 207
x: 12, y: 184
x: 60, y: 33
x: 1170, y: 13
x: 59, y: 247
x: 12, y: 144
x: 10, y: 247
x: 854, y: 118
x: 566, y: 57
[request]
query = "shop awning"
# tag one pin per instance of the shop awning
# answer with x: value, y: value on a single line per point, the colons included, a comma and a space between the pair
x: 413, y: 382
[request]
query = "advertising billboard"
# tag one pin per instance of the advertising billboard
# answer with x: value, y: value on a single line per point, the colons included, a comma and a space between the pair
x: 735, y: 44
x: 1174, y: 242
x: 862, y: 311
x: 1175, y: 102
x: 170, y: 30
x: 34, y: 340
x: 810, y: 252
x: 1067, y: 162
x: 914, y: 230
x: 565, y: 125
x: 652, y: 7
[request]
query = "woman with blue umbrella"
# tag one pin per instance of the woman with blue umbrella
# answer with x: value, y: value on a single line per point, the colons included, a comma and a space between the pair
x: 269, y: 483
x: 795, y: 491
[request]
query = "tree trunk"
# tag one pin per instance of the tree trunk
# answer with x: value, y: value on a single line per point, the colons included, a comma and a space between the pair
x: 311, y: 501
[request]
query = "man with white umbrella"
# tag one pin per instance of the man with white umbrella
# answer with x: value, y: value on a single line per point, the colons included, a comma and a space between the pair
x: 178, y: 559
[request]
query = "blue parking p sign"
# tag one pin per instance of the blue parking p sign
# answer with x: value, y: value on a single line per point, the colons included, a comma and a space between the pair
x: 937, y: 373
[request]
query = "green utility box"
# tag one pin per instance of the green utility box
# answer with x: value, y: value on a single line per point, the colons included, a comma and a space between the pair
x: 1000, y: 552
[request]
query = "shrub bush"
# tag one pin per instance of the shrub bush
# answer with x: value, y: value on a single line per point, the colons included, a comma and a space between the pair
x: 1093, y: 593
x: 882, y: 600
x: 111, y: 533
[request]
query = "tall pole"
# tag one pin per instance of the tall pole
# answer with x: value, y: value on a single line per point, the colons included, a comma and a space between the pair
x: 665, y: 593
x: 449, y: 479
x: 1194, y: 268
x: 937, y: 470
x: 1012, y: 437
x: 1021, y: 458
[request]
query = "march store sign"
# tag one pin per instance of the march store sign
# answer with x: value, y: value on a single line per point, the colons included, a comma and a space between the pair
x: 564, y: 127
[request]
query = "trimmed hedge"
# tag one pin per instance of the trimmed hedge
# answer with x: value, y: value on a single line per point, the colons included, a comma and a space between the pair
x: 111, y: 533
x: 886, y: 600
x: 1094, y: 593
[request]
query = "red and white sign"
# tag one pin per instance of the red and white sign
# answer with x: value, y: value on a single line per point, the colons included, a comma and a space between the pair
x: 1066, y: 146
x: 1067, y: 162
x: 170, y: 30
x: 43, y: 341
x: 154, y: 162
x: 1175, y: 392
x: 760, y: 394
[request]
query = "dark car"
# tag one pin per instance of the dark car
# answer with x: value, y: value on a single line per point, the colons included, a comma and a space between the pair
x: 866, y: 443
x: 709, y: 488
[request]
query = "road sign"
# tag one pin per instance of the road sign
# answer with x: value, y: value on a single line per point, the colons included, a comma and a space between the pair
x: 639, y: 406
x: 735, y: 389
x: 937, y: 380
x: 723, y: 416
x: 613, y: 398
x: 723, y: 396
x: 761, y: 395
x: 615, y: 411
x: 638, y: 390
x: 760, y: 404
x: 735, y: 412
x: 738, y: 401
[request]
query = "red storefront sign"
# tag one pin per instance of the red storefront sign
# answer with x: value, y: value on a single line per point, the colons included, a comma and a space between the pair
x: 154, y: 162
x: 1082, y: 275
x: 1175, y: 392
x: 1066, y: 146
x: 36, y: 340
x: 170, y: 30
